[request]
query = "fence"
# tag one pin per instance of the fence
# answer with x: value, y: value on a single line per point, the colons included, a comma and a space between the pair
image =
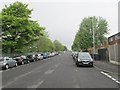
x: 114, y: 56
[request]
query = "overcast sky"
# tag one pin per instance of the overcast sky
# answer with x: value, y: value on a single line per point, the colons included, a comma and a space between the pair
x: 63, y: 17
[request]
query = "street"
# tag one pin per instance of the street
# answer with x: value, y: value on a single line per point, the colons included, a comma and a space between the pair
x: 56, y: 72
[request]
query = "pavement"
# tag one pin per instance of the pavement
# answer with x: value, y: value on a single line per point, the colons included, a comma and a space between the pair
x: 59, y: 72
x: 107, y: 66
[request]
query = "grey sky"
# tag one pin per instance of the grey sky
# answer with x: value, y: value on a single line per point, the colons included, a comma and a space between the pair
x: 62, y: 19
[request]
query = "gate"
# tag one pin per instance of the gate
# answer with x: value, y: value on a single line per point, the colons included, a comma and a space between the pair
x: 103, y: 54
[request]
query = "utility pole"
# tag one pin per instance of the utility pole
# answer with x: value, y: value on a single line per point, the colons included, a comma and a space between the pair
x: 93, y: 37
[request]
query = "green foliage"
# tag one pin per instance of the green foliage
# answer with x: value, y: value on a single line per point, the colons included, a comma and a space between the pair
x: 18, y: 30
x: 84, y: 37
x: 44, y: 44
x: 58, y: 46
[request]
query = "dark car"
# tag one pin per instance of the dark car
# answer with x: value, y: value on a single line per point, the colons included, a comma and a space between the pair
x: 25, y: 60
x: 19, y: 59
x: 74, y: 55
x: 31, y: 58
x: 84, y: 59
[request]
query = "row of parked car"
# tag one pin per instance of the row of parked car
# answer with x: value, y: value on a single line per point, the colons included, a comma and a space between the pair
x: 82, y: 59
x: 7, y: 62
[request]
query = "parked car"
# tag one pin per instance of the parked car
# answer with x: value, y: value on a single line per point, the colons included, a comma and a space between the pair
x: 74, y: 55
x: 45, y: 55
x: 84, y: 59
x: 38, y: 57
x: 6, y: 62
x: 48, y: 54
x: 19, y: 60
x: 52, y: 54
x: 31, y: 57
x: 25, y: 60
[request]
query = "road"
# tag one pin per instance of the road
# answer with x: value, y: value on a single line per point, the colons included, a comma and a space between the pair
x: 56, y: 72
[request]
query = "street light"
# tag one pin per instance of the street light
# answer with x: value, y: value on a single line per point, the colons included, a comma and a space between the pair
x: 30, y: 49
x: 93, y: 37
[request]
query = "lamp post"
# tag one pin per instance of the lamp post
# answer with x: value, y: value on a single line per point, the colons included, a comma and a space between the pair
x: 36, y: 49
x: 30, y: 49
x: 93, y: 37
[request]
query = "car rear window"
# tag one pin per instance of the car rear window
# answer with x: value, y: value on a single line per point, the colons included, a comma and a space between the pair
x: 84, y: 55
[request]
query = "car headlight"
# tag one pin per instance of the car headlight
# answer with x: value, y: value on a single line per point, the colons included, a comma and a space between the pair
x: 91, y: 60
x: 79, y: 60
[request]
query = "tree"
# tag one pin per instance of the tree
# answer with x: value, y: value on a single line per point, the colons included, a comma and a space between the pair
x: 84, y: 37
x: 58, y: 46
x: 18, y: 30
x: 44, y: 44
x: 65, y: 48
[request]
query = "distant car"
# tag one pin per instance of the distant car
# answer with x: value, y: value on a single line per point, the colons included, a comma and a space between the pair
x: 21, y: 59
x: 25, y: 60
x: 45, y: 55
x: 48, y: 54
x: 84, y: 59
x: 74, y: 55
x: 53, y: 54
x: 38, y: 56
x: 31, y: 58
x: 6, y: 62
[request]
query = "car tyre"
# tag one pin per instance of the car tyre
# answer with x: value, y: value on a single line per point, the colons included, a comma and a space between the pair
x: 6, y: 66
x: 22, y: 63
x: 77, y: 65
x: 16, y: 64
x: 28, y: 61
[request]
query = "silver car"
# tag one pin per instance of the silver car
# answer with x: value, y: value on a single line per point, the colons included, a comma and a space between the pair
x: 84, y: 59
x: 6, y: 62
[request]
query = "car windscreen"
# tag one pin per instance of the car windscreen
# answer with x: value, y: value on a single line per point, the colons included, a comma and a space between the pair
x: 84, y: 56
x: 29, y: 56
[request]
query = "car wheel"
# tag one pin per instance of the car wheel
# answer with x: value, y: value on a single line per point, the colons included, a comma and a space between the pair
x: 77, y: 64
x: 16, y: 64
x: 6, y: 66
x: 22, y: 63
x: 28, y: 61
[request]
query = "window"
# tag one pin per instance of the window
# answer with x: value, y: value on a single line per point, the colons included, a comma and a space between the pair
x: 110, y: 39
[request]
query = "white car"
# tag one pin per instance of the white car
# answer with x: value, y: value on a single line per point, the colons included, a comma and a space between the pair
x: 40, y: 56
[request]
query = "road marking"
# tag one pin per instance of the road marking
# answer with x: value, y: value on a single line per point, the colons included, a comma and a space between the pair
x: 36, y: 85
x: 110, y: 77
x: 23, y: 75
x: 49, y: 71
x: 118, y: 82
